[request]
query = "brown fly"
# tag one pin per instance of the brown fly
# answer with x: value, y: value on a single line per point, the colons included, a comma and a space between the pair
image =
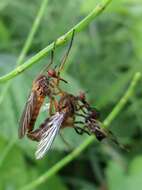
x: 44, y: 85
x: 92, y: 124
x: 65, y: 116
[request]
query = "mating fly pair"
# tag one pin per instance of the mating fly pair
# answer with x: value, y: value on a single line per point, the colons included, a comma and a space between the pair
x: 67, y: 108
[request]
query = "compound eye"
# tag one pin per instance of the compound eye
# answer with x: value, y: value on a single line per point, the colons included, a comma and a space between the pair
x: 51, y: 73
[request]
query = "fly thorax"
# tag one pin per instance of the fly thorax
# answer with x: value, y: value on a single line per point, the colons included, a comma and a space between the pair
x: 43, y: 86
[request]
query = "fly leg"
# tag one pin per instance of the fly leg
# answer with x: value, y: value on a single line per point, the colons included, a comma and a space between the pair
x: 80, y: 130
x: 50, y: 107
x: 51, y: 59
x: 59, y: 92
x: 80, y: 115
x: 55, y: 105
x: 81, y: 107
x: 53, y: 53
x: 63, y: 61
x: 79, y: 122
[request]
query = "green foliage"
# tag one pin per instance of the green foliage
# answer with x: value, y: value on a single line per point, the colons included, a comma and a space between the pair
x: 119, y: 178
x: 102, y: 61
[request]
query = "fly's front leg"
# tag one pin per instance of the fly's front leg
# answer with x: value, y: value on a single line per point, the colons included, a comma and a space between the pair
x: 79, y: 122
x: 82, y: 108
x: 59, y: 92
x: 51, y: 106
x: 60, y: 79
x: 63, y: 61
x: 80, y: 130
x: 80, y: 115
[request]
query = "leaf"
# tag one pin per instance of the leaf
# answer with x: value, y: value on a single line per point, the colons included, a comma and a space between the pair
x: 119, y: 179
x: 115, y: 176
x: 136, y: 166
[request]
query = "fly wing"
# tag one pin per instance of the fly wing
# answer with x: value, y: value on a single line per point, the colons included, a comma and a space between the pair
x: 53, y: 127
x: 27, y: 114
x: 114, y: 139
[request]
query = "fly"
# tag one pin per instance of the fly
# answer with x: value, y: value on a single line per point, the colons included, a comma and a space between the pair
x: 45, y: 85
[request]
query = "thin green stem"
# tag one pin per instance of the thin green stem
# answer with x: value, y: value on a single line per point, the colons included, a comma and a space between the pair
x: 41, y: 54
x: 123, y: 100
x: 117, y: 109
x: 28, y: 42
x: 32, y: 32
x: 22, y: 55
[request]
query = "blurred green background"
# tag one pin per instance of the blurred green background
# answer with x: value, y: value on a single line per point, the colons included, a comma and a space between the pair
x: 102, y: 61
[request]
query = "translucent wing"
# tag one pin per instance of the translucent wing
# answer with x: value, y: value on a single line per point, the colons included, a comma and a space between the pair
x: 27, y: 114
x: 53, y: 127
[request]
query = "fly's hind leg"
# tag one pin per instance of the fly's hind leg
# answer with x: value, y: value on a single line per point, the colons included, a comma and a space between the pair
x: 35, y: 135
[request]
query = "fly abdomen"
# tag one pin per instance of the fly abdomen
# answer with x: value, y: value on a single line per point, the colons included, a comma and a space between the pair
x: 35, y: 113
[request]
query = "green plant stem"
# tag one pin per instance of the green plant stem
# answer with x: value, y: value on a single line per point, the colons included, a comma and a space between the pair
x: 123, y: 100
x: 33, y: 31
x: 22, y: 55
x: 28, y: 42
x: 117, y: 109
x: 41, y: 54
